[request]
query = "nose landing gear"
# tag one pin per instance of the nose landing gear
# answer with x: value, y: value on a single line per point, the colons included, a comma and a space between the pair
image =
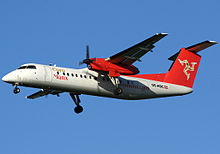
x: 78, y: 109
x: 16, y: 89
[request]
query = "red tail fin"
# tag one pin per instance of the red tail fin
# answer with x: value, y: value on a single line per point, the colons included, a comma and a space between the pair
x: 186, y: 62
x: 184, y: 69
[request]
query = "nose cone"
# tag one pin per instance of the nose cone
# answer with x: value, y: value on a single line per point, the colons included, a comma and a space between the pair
x: 5, y: 78
x: 9, y: 78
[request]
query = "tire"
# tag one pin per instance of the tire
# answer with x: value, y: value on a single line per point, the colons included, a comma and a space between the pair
x: 78, y: 109
x: 16, y: 90
x: 117, y: 91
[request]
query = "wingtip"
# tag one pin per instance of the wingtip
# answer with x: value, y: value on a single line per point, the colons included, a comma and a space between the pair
x: 213, y: 42
x: 164, y: 34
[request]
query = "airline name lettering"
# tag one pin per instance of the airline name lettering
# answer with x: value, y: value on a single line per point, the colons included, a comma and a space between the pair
x: 58, y: 70
x: 59, y: 77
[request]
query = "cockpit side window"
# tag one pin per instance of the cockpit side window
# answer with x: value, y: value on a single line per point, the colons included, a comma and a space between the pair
x: 27, y: 67
x: 22, y: 67
x: 31, y: 67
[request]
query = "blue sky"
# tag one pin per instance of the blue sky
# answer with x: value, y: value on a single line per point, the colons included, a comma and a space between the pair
x: 58, y: 31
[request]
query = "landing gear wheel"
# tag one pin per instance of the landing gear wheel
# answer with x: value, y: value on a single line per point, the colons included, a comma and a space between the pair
x: 117, y: 91
x: 78, y: 109
x: 16, y: 90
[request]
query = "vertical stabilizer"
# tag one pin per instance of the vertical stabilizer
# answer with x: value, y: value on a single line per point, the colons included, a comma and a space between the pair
x: 186, y: 63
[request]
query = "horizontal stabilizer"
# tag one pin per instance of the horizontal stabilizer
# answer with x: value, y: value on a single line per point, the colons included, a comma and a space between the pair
x: 195, y: 48
x: 200, y: 46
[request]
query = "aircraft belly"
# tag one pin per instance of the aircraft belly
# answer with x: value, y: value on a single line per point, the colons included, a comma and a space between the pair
x: 145, y: 89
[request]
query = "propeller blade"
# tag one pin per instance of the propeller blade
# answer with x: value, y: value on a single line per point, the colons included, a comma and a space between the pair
x: 86, y: 61
x: 87, y: 51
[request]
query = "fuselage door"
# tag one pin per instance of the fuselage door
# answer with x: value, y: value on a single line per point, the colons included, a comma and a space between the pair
x: 47, y: 76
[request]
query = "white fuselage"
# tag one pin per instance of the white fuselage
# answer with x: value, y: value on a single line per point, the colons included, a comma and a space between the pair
x: 85, y: 81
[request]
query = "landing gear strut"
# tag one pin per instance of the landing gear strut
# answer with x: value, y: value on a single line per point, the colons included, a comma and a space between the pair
x: 116, y: 83
x: 16, y: 89
x: 78, y: 109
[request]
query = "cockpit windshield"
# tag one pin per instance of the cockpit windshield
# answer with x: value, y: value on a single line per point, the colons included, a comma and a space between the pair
x: 27, y: 67
x: 22, y: 67
x: 31, y: 67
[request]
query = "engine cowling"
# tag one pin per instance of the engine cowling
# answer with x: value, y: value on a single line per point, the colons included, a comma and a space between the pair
x: 115, y: 70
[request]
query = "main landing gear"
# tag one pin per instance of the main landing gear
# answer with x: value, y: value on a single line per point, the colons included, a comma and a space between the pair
x: 16, y: 89
x: 78, y: 109
x: 118, y: 91
x: 116, y: 83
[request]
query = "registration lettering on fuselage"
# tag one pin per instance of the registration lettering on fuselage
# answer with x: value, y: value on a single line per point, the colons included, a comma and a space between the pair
x: 159, y: 86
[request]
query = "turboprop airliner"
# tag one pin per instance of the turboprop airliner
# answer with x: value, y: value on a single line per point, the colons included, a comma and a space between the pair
x: 114, y: 77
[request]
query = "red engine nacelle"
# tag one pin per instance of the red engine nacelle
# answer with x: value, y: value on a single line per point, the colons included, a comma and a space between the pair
x: 100, y: 64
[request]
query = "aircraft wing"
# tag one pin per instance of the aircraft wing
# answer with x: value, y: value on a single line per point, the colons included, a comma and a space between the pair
x: 43, y: 92
x: 130, y: 55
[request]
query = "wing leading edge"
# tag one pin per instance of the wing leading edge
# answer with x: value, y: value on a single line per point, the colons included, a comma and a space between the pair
x: 134, y: 53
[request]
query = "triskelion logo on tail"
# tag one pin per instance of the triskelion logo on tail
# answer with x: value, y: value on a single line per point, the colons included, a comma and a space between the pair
x: 187, y: 67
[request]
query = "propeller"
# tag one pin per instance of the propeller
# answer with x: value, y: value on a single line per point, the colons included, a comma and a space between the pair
x: 86, y: 61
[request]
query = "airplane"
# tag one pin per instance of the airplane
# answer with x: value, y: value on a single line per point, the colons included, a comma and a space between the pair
x: 114, y: 77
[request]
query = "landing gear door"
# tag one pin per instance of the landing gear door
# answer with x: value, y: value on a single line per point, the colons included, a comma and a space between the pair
x: 48, y: 74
